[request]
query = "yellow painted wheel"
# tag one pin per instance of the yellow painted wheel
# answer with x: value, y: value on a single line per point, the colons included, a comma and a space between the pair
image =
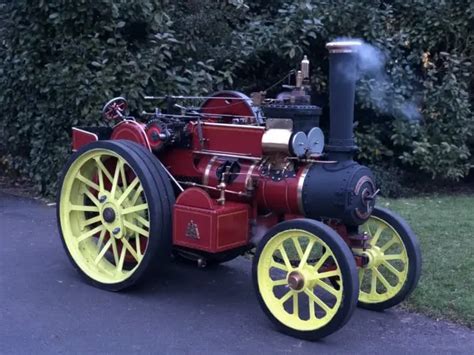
x: 114, y: 213
x: 292, y: 269
x: 394, y: 261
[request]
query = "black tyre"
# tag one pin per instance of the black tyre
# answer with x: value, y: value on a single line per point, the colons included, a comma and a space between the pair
x: 291, y: 274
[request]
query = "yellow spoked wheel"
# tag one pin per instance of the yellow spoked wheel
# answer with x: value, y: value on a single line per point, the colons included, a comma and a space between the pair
x: 114, y: 213
x: 394, y: 265
x: 291, y: 271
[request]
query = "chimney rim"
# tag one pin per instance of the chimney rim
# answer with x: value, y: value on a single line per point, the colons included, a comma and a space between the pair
x: 344, y: 46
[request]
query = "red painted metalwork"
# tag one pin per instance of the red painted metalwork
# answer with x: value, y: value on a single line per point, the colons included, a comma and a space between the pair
x: 200, y: 223
x: 226, y: 106
x: 153, y: 136
x: 278, y: 196
x: 252, y: 198
x: 235, y: 139
x: 81, y: 138
x: 132, y: 131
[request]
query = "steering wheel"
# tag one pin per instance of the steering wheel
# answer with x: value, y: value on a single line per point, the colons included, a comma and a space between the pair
x: 115, y: 109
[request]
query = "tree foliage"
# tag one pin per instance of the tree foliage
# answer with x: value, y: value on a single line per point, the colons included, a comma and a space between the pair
x: 61, y: 60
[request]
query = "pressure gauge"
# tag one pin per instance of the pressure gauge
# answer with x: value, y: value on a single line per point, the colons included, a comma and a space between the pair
x: 299, y: 144
x: 315, y: 141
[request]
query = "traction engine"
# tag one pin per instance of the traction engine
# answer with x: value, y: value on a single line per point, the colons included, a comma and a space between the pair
x: 238, y: 175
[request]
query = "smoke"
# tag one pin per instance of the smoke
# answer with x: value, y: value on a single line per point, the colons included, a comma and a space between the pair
x: 378, y: 88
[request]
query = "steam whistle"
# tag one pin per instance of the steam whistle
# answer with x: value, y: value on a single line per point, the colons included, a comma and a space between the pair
x: 302, y: 75
x: 301, y: 90
x: 305, y: 68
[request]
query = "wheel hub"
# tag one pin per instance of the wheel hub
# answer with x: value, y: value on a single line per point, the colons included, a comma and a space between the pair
x: 374, y: 255
x: 296, y: 280
x: 109, y: 215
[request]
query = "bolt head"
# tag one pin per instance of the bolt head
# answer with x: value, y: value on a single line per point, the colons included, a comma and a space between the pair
x: 109, y: 215
x: 296, y: 281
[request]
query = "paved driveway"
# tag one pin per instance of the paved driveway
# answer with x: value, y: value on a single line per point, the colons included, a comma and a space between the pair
x: 46, y: 308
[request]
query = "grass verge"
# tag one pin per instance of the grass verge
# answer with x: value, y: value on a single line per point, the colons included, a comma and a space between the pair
x: 445, y: 228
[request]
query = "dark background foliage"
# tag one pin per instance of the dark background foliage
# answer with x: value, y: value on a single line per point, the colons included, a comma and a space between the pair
x: 61, y: 60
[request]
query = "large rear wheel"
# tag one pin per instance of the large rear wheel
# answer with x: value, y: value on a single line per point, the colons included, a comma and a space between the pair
x: 291, y: 271
x: 114, y: 213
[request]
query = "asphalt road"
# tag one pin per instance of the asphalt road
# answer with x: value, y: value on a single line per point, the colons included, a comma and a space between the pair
x: 45, y: 307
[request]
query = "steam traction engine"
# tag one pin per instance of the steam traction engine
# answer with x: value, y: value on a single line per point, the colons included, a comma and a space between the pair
x: 234, y: 176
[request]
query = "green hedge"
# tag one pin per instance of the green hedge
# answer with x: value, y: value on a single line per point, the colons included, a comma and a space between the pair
x: 61, y: 60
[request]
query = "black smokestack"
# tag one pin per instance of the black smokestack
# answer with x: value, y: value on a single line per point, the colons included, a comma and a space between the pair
x: 342, y: 80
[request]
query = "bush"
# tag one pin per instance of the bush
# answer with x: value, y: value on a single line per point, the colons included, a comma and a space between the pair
x: 62, y: 60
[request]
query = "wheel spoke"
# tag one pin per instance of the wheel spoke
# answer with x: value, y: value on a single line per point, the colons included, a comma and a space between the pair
x: 90, y: 221
x: 373, y: 283
x: 286, y: 297
x: 322, y: 260
x: 142, y: 220
x: 330, y: 273
x: 116, y: 177
x: 295, y: 305
x: 382, y: 279
x: 393, y: 257
x: 377, y: 234
x: 103, y: 170
x: 101, y: 180
x: 138, y: 244
x: 297, y: 247
x: 134, y: 209
x: 132, y: 251
x: 285, y: 256
x: 87, y: 182
x: 328, y: 288
x: 307, y: 251
x: 317, y: 300
x: 278, y: 266
x: 279, y: 282
x: 84, y: 208
x: 101, y: 238
x: 121, y: 260
x: 137, y: 195
x: 115, y: 251
x: 123, y: 176
x: 312, y: 313
x: 137, y: 229
x: 103, y: 251
x: 128, y: 190
x: 387, y: 245
x: 90, y: 233
x: 391, y: 268
x: 91, y: 197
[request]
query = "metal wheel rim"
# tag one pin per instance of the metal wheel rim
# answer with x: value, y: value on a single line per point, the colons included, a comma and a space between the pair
x: 316, y: 278
x: 387, y: 272
x: 98, y: 243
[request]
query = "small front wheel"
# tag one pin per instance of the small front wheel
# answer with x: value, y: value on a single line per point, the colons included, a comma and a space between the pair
x: 394, y: 261
x: 292, y: 269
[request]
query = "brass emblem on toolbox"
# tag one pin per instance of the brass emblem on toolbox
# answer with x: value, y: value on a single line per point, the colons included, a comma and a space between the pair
x: 192, y: 231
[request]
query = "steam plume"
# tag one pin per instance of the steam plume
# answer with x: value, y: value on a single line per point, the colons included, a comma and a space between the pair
x: 380, y: 88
